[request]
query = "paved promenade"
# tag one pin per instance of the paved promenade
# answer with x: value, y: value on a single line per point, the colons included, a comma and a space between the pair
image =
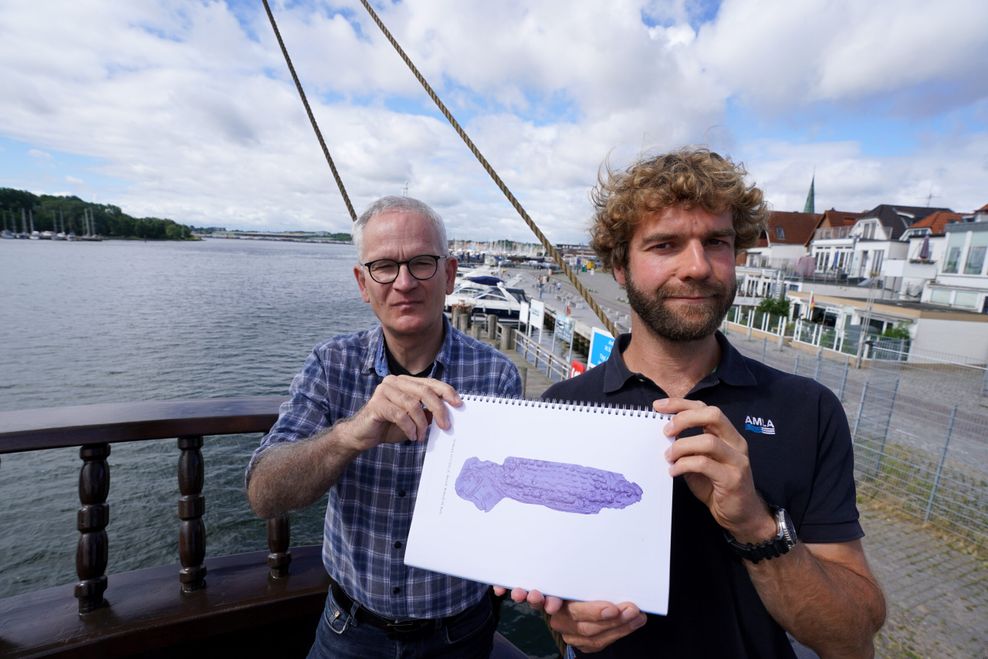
x: 936, y: 585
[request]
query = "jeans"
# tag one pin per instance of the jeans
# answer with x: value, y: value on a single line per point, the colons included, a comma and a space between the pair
x: 339, y: 636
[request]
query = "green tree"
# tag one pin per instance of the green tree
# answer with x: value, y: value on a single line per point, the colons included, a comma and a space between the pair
x: 897, y: 332
x: 774, y: 306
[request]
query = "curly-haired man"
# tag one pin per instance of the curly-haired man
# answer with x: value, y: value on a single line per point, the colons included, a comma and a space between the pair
x: 765, y: 532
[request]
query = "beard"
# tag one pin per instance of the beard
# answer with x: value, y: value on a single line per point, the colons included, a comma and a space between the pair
x: 691, y: 323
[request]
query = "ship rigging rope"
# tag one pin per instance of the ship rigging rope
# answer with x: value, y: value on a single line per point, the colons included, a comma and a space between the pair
x: 308, y: 111
x: 549, y: 247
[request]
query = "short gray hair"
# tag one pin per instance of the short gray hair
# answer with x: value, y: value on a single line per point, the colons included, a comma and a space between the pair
x: 393, y: 203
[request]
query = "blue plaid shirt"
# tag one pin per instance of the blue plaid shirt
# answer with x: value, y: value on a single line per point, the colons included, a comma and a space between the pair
x: 370, y: 507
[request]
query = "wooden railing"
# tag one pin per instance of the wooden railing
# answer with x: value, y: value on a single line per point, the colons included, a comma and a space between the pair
x: 94, y: 428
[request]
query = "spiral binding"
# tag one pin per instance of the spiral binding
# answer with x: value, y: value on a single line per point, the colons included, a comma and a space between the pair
x: 569, y: 406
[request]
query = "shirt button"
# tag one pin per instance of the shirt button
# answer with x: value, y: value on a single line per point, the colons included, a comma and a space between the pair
x: 396, y: 590
x: 401, y: 493
x: 397, y: 544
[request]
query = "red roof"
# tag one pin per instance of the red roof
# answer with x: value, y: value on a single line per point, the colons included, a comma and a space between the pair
x: 936, y: 221
x: 789, y: 228
x: 836, y: 218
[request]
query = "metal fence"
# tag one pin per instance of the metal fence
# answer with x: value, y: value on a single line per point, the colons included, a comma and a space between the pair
x: 541, y: 356
x: 921, y: 465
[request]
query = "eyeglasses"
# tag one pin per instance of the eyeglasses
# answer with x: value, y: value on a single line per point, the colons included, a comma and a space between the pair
x: 422, y: 267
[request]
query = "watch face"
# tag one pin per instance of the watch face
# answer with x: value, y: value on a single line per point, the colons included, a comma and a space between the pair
x: 783, y: 541
x: 787, y: 531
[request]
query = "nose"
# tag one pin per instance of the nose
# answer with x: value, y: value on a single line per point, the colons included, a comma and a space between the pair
x: 404, y: 280
x: 696, y: 263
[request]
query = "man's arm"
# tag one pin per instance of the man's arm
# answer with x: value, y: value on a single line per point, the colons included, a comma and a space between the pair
x: 292, y: 475
x: 823, y: 594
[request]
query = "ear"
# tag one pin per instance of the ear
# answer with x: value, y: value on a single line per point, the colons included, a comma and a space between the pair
x: 360, y: 276
x: 620, y: 274
x: 451, y: 265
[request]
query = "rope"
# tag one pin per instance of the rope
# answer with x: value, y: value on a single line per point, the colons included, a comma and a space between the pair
x: 308, y: 111
x: 553, y: 252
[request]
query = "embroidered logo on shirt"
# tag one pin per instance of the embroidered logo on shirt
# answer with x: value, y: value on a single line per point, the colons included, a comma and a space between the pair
x: 758, y: 425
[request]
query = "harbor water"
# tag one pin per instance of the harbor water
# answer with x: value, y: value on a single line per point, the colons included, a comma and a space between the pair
x: 122, y: 321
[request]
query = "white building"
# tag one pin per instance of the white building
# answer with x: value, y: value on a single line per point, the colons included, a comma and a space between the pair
x: 962, y: 276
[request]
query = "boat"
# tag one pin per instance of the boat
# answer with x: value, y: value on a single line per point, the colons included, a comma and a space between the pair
x: 485, y: 295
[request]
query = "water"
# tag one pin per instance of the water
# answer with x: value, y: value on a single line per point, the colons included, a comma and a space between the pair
x: 121, y: 321
x: 124, y: 321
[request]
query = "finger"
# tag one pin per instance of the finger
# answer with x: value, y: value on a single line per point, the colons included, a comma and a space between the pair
x: 593, y: 611
x: 585, y: 630
x: 535, y: 600
x: 676, y: 405
x: 707, y: 444
x: 705, y: 417
x: 519, y: 595
x: 552, y: 605
x: 595, y: 642
x: 405, y: 407
x: 499, y: 590
x: 725, y: 476
x: 425, y: 393
x: 629, y: 611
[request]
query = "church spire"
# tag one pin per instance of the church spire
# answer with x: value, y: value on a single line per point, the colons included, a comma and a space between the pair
x: 810, y: 204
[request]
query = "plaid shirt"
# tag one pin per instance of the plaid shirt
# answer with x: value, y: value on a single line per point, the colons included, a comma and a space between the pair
x: 370, y: 507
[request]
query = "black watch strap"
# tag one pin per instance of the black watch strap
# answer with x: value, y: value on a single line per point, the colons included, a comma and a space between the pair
x: 784, y: 540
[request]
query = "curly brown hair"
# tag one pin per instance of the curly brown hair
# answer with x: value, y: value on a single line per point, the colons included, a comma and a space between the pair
x: 694, y: 177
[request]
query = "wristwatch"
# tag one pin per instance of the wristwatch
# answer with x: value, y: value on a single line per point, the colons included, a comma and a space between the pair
x: 783, y: 541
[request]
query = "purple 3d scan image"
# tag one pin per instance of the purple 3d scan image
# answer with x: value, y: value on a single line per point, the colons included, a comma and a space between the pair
x: 571, y: 488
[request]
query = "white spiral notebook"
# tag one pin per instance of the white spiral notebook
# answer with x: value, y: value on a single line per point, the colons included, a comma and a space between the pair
x: 571, y: 500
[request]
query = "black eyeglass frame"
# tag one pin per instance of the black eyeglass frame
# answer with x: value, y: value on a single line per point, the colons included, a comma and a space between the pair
x: 435, y: 263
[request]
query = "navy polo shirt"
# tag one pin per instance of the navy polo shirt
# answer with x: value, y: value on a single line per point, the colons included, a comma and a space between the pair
x: 799, y: 446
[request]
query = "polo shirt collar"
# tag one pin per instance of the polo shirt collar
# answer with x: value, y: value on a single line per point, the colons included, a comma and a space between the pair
x: 732, y: 368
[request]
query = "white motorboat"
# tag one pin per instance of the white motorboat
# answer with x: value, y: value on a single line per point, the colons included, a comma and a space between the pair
x: 486, y: 294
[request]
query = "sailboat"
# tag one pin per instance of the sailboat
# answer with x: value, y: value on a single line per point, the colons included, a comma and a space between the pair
x: 89, y: 222
x: 7, y: 234
x: 61, y: 234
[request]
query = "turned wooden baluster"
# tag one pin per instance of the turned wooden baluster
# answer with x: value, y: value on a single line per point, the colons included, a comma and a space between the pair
x: 279, y: 539
x: 191, y: 506
x: 94, y: 515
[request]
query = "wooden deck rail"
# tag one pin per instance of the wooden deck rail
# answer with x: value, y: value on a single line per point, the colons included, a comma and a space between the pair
x: 99, y: 628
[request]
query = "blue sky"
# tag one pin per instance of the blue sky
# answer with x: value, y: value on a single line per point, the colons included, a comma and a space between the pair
x: 184, y: 108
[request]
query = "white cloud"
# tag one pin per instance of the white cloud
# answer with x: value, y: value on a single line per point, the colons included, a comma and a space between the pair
x: 189, y: 113
x: 778, y: 53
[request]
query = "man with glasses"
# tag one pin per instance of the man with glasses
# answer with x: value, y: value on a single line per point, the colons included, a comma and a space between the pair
x: 355, y: 426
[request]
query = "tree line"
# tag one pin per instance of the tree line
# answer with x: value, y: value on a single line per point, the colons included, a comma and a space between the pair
x: 50, y: 212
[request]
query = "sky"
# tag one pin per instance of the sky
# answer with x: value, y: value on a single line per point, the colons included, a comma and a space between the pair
x: 185, y: 109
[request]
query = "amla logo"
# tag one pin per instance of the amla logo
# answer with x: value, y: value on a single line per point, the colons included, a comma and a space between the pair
x: 756, y: 424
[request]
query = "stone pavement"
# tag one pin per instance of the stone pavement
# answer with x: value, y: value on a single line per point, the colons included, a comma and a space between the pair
x: 935, y: 587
